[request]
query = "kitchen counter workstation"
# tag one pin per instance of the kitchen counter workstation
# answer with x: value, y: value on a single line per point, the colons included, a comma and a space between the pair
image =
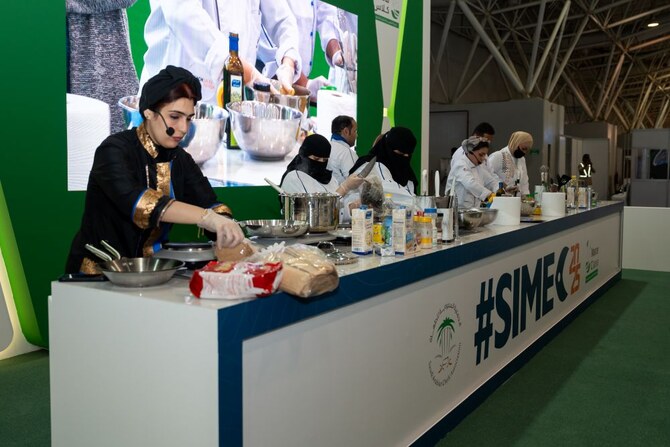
x: 396, y: 355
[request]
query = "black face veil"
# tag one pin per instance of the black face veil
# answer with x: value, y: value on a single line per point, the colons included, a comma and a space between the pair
x: 399, y: 139
x: 318, y: 146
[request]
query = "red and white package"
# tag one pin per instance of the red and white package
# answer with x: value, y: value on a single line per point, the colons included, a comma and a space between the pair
x: 236, y: 280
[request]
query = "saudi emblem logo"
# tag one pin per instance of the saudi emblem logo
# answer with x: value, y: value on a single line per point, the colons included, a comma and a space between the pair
x: 447, y: 345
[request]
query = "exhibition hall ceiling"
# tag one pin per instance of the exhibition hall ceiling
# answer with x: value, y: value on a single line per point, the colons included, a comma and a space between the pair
x: 601, y: 59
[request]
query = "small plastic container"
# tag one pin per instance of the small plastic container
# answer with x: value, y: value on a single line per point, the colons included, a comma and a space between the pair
x: 425, y: 232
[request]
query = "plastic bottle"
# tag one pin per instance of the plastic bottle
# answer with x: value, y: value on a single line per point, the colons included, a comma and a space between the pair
x: 432, y: 214
x: 425, y: 232
x: 387, y: 246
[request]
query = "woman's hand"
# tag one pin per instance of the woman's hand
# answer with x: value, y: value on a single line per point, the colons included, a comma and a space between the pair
x: 350, y: 183
x: 228, y: 232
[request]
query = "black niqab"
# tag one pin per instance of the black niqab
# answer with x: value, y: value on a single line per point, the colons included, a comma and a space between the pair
x: 318, y: 146
x: 398, y: 138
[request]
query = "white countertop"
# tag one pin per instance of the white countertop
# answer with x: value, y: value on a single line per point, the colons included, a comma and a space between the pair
x: 177, y: 291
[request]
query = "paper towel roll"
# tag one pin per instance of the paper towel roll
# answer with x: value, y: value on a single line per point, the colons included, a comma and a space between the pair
x: 509, y: 210
x: 553, y: 204
x: 332, y: 103
x: 87, y: 125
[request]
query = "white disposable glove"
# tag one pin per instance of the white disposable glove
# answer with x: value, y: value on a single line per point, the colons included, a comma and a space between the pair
x: 285, y: 76
x: 314, y: 85
x: 257, y: 76
x: 228, y: 233
x: 338, y: 59
x: 350, y: 183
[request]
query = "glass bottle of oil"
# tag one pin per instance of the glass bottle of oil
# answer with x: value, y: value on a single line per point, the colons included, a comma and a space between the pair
x: 233, y: 84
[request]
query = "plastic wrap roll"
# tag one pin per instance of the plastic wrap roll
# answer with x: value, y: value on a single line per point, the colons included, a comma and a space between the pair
x: 87, y: 125
x: 553, y: 204
x: 331, y: 103
x: 509, y: 210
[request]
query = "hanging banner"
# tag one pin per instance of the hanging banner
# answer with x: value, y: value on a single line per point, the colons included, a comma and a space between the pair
x: 388, y: 11
x: 387, y: 22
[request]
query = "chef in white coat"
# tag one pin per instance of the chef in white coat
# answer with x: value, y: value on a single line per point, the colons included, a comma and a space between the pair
x: 308, y: 173
x: 509, y: 163
x: 342, y: 154
x: 472, y: 180
x: 311, y: 16
x: 193, y: 34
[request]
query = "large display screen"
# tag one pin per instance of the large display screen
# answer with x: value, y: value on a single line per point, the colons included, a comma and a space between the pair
x: 104, y: 83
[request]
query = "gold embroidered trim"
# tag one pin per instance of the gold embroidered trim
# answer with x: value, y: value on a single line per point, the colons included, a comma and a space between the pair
x: 146, y: 140
x: 145, y: 206
x: 89, y: 267
x: 222, y: 209
x: 163, y: 178
x: 148, y: 249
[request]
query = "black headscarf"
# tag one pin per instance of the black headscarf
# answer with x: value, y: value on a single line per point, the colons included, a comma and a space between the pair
x: 398, y: 138
x: 159, y: 86
x: 318, y: 146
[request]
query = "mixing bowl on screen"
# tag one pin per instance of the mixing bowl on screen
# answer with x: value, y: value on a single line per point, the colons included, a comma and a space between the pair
x: 130, y: 108
x: 205, y: 134
x: 264, y: 131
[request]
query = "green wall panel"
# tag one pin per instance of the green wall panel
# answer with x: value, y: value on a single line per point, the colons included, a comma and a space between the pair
x: 33, y: 160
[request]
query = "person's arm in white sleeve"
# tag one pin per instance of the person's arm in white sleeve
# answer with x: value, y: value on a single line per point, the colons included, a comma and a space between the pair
x: 468, y: 181
x: 326, y: 25
x: 200, y: 37
x: 282, y: 28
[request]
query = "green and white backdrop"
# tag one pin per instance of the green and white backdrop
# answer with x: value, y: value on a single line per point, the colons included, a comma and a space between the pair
x: 39, y: 216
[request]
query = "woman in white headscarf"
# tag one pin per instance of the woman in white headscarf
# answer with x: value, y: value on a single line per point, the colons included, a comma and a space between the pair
x: 509, y: 163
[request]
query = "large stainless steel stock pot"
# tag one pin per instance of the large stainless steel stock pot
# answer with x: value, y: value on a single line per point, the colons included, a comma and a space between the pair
x: 320, y: 210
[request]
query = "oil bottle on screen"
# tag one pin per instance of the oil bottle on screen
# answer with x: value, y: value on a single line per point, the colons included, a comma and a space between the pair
x: 233, y: 84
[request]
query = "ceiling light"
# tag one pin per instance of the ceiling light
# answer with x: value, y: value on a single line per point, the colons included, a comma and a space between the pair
x: 652, y: 24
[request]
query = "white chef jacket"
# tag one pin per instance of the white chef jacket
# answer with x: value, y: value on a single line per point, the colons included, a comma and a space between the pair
x: 473, y: 183
x: 300, y: 182
x: 342, y: 159
x: 193, y: 34
x: 311, y: 16
x: 401, y: 195
x: 509, y: 168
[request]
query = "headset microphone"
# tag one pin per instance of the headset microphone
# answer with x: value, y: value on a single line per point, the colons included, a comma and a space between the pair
x: 168, y: 130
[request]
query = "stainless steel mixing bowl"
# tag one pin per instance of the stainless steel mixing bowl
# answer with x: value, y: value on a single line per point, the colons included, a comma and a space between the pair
x: 488, y: 216
x: 204, y: 135
x: 140, y: 272
x: 264, y: 131
x: 206, y: 132
x: 469, y: 218
x: 276, y: 227
x: 131, y: 111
